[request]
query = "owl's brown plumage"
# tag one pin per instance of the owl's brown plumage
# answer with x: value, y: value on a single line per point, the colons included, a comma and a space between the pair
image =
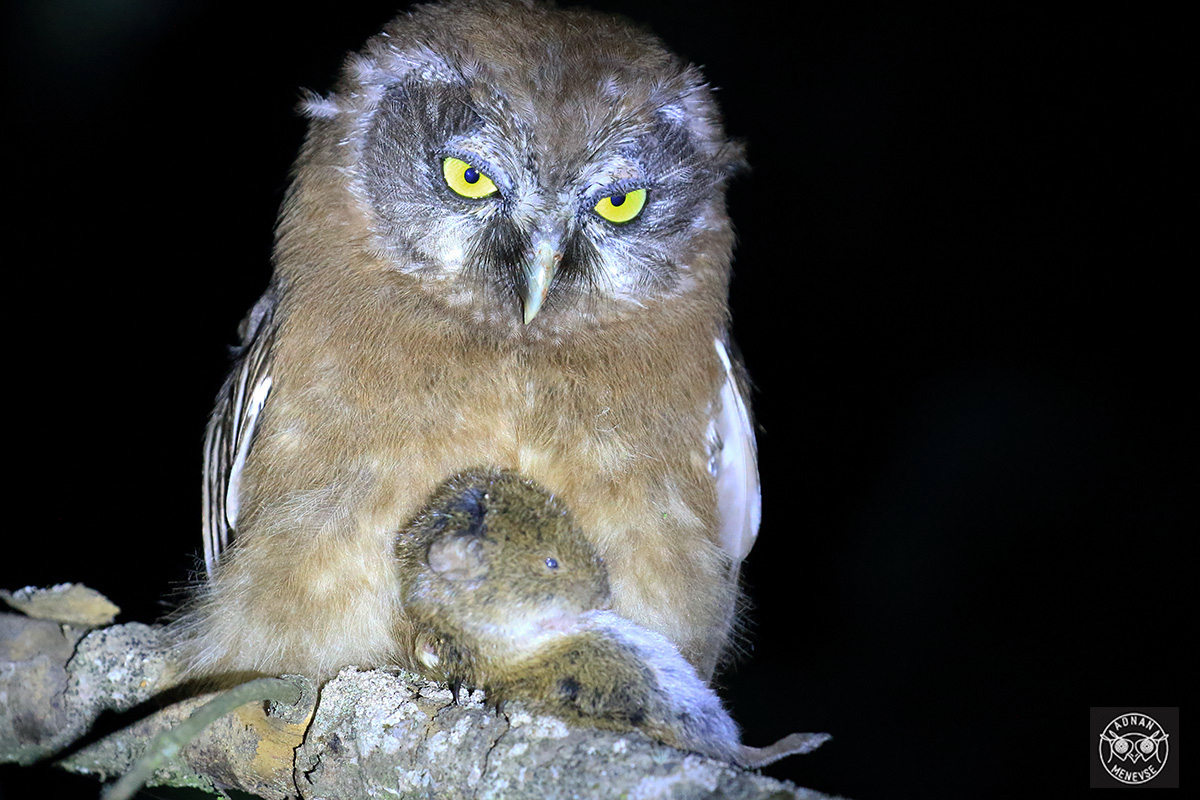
x: 411, y: 332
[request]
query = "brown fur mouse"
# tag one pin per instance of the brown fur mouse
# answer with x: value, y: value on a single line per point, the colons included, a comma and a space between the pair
x: 505, y: 593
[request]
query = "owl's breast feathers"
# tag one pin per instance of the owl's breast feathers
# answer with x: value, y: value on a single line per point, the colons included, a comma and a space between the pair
x: 398, y: 402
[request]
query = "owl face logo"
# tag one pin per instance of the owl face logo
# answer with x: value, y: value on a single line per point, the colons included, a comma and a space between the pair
x: 1133, y: 748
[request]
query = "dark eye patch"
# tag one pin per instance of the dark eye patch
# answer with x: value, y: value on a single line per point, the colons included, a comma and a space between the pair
x: 497, y: 253
x: 412, y: 124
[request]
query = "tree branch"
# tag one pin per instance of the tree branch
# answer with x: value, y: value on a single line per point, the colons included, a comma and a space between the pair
x: 92, y: 701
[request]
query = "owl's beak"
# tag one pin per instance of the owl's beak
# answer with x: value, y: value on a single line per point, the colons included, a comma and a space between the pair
x: 539, y: 274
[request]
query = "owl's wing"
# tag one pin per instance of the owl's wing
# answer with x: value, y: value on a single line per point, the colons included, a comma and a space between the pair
x: 735, y: 461
x: 230, y: 432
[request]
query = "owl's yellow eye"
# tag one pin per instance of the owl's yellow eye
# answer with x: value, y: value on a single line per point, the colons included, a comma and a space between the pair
x: 465, y: 179
x: 620, y: 208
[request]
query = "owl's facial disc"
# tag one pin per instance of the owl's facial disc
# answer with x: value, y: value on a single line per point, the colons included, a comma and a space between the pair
x: 536, y: 200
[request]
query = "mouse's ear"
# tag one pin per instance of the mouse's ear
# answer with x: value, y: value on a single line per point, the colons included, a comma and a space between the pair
x: 458, y: 557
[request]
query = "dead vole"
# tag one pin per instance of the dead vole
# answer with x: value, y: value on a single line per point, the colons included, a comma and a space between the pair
x: 505, y: 593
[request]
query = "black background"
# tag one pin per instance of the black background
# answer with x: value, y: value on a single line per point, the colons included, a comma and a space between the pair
x: 960, y: 290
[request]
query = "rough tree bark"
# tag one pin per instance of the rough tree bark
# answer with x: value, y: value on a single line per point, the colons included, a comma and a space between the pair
x: 91, y: 701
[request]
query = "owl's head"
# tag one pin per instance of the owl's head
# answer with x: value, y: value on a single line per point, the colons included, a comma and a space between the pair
x: 537, y: 170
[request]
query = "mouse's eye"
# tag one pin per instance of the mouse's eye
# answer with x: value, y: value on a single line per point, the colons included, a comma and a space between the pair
x: 552, y: 563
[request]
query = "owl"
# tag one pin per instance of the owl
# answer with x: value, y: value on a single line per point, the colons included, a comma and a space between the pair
x: 1132, y: 746
x: 505, y: 246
